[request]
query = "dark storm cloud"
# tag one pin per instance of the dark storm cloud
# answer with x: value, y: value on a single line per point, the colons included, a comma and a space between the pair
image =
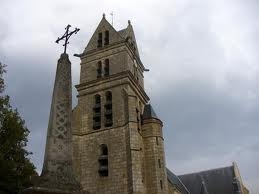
x: 206, y: 88
x: 206, y: 117
x: 203, y: 82
x: 30, y: 85
x: 206, y: 127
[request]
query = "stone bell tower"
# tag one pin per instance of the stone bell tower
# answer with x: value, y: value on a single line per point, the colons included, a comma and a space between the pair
x: 117, y: 138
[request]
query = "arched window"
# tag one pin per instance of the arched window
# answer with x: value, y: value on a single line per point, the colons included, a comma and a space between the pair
x: 106, y: 38
x: 99, y: 69
x: 100, y: 40
x: 108, y: 109
x: 103, y: 160
x: 104, y: 150
x: 97, y: 99
x: 108, y: 97
x: 97, y: 112
x: 106, y: 67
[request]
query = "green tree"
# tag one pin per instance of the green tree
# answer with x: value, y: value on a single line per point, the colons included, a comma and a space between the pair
x: 16, y: 169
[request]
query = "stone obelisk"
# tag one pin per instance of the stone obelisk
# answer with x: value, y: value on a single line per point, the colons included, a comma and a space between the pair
x: 57, y: 173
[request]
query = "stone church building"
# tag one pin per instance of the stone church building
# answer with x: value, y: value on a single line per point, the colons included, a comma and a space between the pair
x: 118, y: 143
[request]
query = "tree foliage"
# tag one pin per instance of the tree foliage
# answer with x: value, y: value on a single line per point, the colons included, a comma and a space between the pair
x: 15, y: 167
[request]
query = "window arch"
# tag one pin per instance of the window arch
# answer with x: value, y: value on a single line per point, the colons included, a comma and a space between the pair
x: 108, y: 96
x: 104, y: 150
x: 97, y: 98
x: 103, y: 160
x: 97, y: 112
x: 106, y: 67
x: 108, y: 110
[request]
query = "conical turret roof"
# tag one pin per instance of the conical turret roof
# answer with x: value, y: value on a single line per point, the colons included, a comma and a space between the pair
x: 149, y: 112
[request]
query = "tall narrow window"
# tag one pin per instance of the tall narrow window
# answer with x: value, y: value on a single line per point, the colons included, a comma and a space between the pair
x: 106, y: 38
x: 156, y: 140
x: 100, y: 40
x: 138, y: 120
x: 99, y: 69
x: 161, y: 184
x: 103, y: 160
x: 159, y: 163
x: 106, y: 67
x: 97, y: 112
x: 108, y: 110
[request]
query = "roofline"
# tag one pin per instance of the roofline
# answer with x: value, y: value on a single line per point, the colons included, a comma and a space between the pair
x: 203, y: 171
x: 179, y: 181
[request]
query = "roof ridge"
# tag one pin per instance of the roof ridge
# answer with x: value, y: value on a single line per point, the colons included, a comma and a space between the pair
x: 209, y: 170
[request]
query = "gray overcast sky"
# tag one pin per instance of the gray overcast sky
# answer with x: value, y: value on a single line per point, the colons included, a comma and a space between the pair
x: 203, y: 56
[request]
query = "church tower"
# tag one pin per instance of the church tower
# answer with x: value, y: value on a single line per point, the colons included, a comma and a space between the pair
x: 117, y: 137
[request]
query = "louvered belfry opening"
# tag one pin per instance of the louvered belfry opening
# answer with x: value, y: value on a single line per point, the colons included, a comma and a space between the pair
x: 103, y: 161
x: 97, y: 112
x: 108, y: 110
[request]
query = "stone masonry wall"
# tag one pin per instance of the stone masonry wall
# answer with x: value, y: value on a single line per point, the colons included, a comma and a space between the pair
x: 133, y: 150
x: 117, y: 180
x: 156, y: 178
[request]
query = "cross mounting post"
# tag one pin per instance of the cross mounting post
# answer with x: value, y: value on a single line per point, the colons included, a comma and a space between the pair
x: 66, y: 36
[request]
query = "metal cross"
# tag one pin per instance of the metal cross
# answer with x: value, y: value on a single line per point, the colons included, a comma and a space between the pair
x: 66, y: 36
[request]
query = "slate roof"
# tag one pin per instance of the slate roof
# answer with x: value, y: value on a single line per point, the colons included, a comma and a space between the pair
x: 128, y: 32
x: 215, y: 181
x: 123, y: 33
x: 174, y: 180
x: 149, y: 112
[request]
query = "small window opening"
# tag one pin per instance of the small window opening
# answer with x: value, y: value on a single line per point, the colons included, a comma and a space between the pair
x: 97, y: 112
x: 108, y: 97
x: 106, y: 38
x: 100, y: 40
x: 157, y: 141
x: 97, y: 99
x: 107, y: 67
x: 138, y: 119
x: 108, y: 110
x: 161, y: 184
x: 99, y: 69
x: 159, y: 163
x: 103, y: 161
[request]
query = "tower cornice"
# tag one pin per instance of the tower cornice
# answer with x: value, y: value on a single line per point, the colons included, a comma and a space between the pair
x: 125, y: 77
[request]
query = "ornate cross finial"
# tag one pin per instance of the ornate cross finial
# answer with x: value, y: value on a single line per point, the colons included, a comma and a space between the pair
x: 66, y: 36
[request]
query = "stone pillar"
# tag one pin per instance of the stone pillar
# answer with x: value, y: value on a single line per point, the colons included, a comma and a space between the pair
x: 57, y: 173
